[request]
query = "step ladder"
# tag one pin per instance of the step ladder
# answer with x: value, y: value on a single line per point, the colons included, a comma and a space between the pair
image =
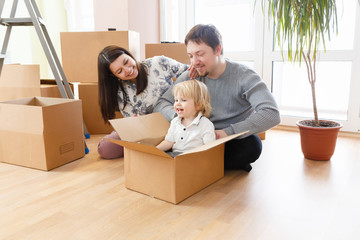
x: 37, y: 21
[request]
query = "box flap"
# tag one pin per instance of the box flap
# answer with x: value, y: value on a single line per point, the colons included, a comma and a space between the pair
x: 21, y: 101
x: 135, y: 129
x: 26, y: 114
x: 214, y: 143
x: 141, y: 147
x: 48, y: 101
x: 39, y: 101
x: 12, y: 93
x: 21, y: 118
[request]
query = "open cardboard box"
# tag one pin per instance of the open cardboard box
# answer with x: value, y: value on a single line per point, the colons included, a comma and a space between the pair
x: 153, y: 172
x: 41, y: 133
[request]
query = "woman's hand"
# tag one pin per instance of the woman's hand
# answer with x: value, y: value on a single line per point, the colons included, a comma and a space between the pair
x: 192, y: 72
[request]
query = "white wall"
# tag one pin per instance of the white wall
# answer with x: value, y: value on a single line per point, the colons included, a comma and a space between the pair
x: 111, y: 14
x: 142, y: 16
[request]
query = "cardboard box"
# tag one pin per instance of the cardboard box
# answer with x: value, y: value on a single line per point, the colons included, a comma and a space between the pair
x: 175, y: 51
x: 89, y: 95
x: 153, y: 172
x: 41, y: 133
x: 49, y: 88
x: 262, y: 135
x: 80, y: 51
x: 19, y: 81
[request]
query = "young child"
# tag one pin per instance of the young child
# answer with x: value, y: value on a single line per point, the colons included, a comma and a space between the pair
x: 191, y: 128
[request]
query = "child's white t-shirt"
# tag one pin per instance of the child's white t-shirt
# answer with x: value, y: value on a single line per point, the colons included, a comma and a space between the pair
x: 198, y: 133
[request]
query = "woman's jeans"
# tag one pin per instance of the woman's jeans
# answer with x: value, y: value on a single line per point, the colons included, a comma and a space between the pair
x: 108, y: 149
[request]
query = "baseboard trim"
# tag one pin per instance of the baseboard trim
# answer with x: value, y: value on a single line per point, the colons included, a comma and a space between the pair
x: 296, y: 129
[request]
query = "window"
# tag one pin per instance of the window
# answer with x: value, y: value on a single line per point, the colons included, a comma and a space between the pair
x: 293, y: 93
x: 248, y: 39
x: 336, y: 73
x: 80, y: 15
x: 242, y: 21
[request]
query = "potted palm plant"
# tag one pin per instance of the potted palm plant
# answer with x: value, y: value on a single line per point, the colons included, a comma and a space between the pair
x: 299, y: 27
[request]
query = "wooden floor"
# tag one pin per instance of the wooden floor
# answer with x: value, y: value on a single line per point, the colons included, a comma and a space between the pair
x: 284, y: 197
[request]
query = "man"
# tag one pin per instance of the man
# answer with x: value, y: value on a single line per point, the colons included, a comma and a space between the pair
x: 239, y: 98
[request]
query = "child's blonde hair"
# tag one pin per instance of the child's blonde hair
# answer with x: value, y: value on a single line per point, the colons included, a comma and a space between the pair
x: 198, y: 91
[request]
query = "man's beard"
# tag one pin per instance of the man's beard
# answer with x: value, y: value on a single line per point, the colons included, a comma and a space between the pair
x: 203, y: 75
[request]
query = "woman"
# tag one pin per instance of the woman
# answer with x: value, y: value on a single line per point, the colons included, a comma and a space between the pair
x: 131, y: 87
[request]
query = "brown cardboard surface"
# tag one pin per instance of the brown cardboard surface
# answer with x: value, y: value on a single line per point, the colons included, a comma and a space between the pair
x: 155, y: 173
x: 49, y: 90
x: 151, y: 149
x: 10, y: 93
x: 80, y: 51
x: 175, y: 51
x: 209, y: 168
x: 19, y: 81
x: 41, y: 133
x: 150, y: 174
x: 89, y: 95
x: 134, y: 129
x: 262, y: 135
x: 18, y: 75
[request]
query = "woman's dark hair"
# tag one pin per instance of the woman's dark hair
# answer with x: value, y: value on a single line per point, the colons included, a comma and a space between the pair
x: 109, y: 84
x: 207, y: 34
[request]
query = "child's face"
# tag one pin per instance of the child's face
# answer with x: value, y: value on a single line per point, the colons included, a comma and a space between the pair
x: 185, y: 107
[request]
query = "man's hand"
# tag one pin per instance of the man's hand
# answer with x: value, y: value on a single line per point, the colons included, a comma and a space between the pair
x: 192, y: 72
x: 220, y: 134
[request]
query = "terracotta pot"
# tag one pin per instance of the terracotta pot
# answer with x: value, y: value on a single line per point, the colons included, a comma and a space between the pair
x: 318, y: 143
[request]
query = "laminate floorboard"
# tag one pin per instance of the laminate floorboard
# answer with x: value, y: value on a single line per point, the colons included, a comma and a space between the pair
x: 284, y: 197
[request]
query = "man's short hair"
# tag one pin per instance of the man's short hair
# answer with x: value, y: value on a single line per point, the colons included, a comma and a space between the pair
x: 207, y: 34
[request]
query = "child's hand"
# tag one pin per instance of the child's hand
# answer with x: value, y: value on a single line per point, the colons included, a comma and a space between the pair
x: 220, y: 134
x: 165, y: 145
x: 192, y: 72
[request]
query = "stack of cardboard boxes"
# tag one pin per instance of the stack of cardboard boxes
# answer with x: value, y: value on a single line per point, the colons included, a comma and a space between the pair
x: 80, y: 52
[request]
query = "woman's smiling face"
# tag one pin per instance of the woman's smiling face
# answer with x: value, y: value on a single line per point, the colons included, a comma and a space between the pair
x: 124, y: 68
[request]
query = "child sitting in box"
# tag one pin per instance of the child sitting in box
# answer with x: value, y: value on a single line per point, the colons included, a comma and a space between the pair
x: 191, y: 128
